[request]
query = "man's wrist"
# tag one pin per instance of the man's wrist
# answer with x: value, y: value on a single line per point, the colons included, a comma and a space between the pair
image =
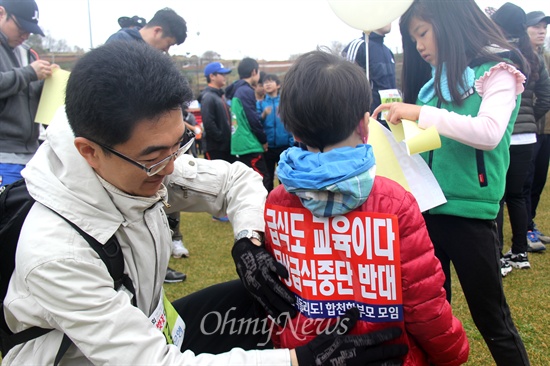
x: 256, y: 242
x: 256, y: 237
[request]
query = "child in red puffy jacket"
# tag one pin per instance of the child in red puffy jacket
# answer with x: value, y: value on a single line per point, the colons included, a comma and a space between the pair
x: 347, y: 237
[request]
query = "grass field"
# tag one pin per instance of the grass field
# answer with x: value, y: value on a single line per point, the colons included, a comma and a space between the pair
x: 527, y: 291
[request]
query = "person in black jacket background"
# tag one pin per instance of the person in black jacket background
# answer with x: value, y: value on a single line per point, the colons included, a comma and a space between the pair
x: 537, y: 23
x: 215, y: 114
x: 512, y: 19
x: 381, y: 63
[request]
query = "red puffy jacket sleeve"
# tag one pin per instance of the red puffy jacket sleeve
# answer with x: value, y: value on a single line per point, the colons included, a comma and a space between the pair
x: 428, y: 316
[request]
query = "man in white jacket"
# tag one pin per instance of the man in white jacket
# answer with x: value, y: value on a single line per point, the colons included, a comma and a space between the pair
x: 109, y: 166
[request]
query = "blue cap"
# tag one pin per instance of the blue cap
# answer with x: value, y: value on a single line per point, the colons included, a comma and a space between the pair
x: 215, y: 68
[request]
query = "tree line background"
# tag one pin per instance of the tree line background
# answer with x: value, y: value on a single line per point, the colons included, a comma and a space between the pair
x: 192, y: 66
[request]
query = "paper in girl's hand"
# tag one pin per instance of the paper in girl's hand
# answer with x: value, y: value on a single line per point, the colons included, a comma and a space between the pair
x: 416, y: 139
x: 394, y: 161
x: 389, y: 96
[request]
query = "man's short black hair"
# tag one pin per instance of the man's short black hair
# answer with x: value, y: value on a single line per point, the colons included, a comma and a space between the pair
x: 323, y: 98
x: 118, y: 85
x: 246, y: 66
x: 172, y: 24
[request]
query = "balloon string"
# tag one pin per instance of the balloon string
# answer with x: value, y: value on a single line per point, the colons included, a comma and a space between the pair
x: 367, y: 34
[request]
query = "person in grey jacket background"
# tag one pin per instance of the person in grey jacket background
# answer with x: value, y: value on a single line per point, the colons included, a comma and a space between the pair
x: 109, y: 166
x: 21, y: 75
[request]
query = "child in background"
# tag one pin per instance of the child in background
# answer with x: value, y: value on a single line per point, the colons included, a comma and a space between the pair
x: 455, y: 71
x: 259, y: 90
x: 278, y: 138
x: 330, y: 183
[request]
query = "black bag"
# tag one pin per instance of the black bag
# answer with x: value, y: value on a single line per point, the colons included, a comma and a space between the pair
x: 15, y: 204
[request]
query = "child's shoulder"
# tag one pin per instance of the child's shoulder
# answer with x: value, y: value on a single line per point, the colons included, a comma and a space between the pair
x: 387, y: 186
x: 388, y: 196
x: 279, y: 196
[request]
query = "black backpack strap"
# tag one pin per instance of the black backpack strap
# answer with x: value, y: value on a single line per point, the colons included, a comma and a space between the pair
x: 111, y: 254
x: 63, y: 347
x: 11, y: 340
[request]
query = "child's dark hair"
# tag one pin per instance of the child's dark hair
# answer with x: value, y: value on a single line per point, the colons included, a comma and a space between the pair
x: 246, y: 66
x: 323, y: 99
x: 272, y: 77
x: 463, y: 34
x: 262, y: 77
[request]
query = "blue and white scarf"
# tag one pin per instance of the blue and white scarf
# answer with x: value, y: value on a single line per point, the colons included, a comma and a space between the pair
x: 330, y: 183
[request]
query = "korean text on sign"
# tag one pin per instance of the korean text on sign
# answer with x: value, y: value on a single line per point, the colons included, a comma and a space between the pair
x: 339, y: 262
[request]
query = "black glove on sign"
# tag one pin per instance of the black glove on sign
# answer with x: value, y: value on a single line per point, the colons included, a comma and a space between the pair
x: 337, y: 348
x: 260, y: 272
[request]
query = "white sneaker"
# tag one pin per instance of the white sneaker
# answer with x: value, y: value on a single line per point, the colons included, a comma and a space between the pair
x: 178, y: 250
x: 505, y: 267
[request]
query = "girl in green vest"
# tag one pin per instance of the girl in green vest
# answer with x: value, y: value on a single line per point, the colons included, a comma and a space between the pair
x: 457, y: 70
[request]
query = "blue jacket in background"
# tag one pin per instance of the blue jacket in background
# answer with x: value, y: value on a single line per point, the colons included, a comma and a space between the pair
x: 126, y: 34
x: 277, y: 135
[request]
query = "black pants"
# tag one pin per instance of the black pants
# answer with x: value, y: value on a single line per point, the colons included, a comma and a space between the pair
x: 272, y: 156
x: 536, y: 179
x: 257, y: 163
x: 471, y: 245
x: 220, y: 155
x: 514, y: 196
x: 221, y: 317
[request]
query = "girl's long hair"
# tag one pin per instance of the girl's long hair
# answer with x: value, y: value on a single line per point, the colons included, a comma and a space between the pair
x: 524, y: 46
x: 463, y: 34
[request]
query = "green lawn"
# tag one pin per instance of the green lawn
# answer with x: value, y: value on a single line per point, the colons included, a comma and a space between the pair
x: 527, y: 291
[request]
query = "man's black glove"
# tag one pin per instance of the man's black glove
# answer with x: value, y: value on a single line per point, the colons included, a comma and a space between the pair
x: 260, y: 272
x: 336, y: 347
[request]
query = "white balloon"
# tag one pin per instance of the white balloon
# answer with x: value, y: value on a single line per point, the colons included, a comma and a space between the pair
x: 369, y: 15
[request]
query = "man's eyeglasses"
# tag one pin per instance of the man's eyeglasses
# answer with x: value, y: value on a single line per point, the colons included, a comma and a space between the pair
x: 187, y: 140
x: 19, y: 28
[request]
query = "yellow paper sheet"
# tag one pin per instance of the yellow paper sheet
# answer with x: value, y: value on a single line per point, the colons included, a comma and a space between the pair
x: 53, y: 96
x: 394, y: 161
x: 416, y: 139
x: 387, y: 164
